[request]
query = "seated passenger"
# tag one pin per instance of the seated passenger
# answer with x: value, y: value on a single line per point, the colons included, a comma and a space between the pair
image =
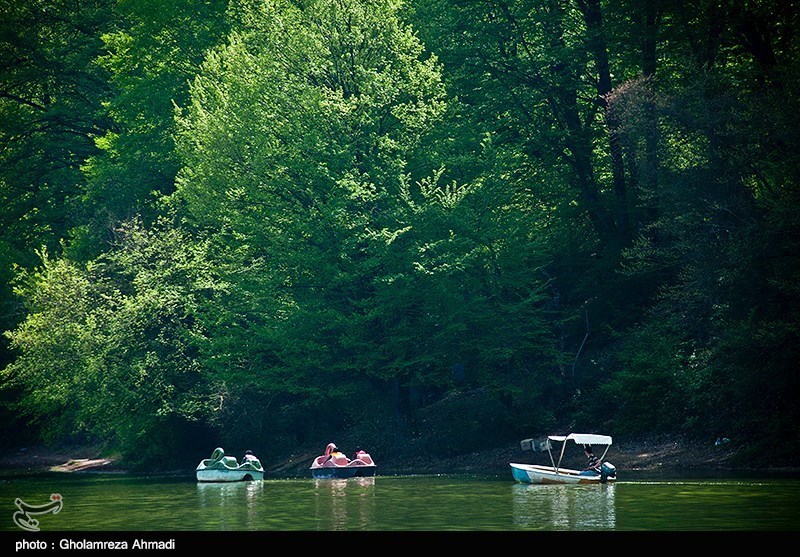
x: 593, y: 465
x: 336, y: 455
x: 248, y: 456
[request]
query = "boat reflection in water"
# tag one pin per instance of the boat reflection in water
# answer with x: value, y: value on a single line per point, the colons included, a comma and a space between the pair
x: 219, y: 493
x: 345, y: 504
x: 222, y: 503
x: 564, y: 507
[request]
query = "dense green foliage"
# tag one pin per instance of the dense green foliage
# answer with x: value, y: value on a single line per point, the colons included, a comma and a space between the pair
x: 454, y: 223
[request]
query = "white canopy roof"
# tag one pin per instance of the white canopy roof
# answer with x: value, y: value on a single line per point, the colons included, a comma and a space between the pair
x: 583, y: 438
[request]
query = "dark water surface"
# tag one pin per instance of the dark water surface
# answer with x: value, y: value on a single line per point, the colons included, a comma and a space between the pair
x: 107, y: 502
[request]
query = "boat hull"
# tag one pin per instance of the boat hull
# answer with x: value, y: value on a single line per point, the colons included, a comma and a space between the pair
x: 365, y: 471
x: 218, y: 475
x: 333, y: 472
x: 536, y: 474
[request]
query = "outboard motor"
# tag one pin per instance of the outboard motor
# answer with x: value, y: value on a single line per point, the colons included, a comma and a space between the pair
x: 607, y: 470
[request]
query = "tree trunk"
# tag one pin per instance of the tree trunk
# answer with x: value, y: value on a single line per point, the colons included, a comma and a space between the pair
x: 652, y: 18
x: 593, y: 16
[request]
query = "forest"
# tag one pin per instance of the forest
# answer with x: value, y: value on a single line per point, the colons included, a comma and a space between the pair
x: 453, y: 223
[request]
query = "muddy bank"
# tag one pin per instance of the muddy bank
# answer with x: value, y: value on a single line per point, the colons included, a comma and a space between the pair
x: 40, y: 458
x: 651, y: 454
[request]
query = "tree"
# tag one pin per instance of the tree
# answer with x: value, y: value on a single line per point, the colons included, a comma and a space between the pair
x: 108, y: 353
x: 294, y: 148
x: 51, y: 97
x: 150, y: 55
x: 725, y: 181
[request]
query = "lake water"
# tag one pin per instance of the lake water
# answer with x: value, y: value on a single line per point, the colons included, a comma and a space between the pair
x: 435, y: 503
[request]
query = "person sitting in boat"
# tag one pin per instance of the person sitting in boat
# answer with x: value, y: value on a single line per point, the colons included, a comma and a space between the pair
x: 359, y: 453
x: 248, y: 456
x: 593, y: 466
x: 335, y: 453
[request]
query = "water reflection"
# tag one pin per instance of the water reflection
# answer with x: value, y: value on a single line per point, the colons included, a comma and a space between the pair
x: 216, y: 493
x: 407, y: 503
x: 564, y: 507
x: 230, y: 503
x: 344, y: 504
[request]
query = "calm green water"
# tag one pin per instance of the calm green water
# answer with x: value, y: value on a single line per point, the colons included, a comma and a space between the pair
x: 403, y: 503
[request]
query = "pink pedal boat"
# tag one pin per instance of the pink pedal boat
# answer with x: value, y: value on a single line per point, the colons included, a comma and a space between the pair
x: 331, y: 465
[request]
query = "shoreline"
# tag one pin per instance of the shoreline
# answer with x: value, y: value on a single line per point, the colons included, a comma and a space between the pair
x: 652, y: 455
